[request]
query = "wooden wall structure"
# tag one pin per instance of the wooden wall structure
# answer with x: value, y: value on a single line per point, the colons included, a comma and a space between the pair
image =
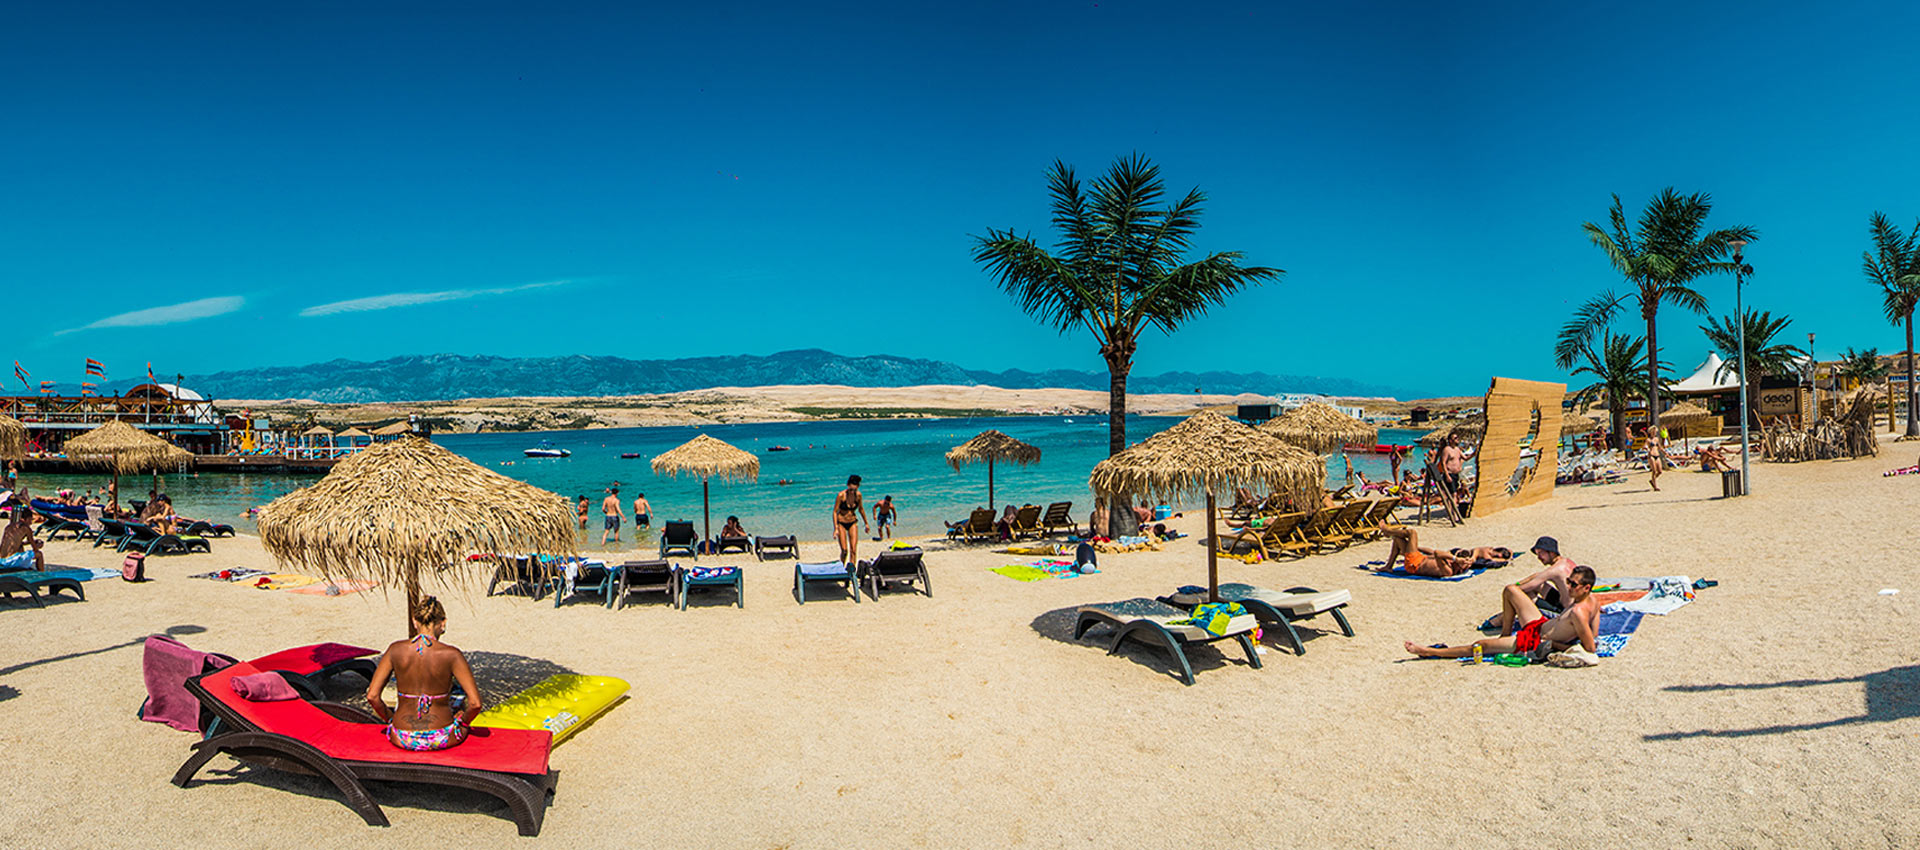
x: 1520, y: 415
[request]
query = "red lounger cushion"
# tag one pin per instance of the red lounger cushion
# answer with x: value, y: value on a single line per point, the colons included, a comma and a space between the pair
x: 500, y: 750
x: 307, y: 660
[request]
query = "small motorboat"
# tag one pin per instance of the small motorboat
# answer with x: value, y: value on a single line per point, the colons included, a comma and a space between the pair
x: 546, y: 449
x: 629, y: 455
x: 779, y: 448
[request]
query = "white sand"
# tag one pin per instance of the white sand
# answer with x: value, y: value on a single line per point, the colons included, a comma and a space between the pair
x: 1776, y: 711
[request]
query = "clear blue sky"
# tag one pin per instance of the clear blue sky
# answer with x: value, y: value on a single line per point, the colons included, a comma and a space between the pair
x: 262, y: 184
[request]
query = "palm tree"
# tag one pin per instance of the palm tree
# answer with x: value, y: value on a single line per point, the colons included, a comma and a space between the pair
x: 1116, y: 268
x: 1616, y: 371
x: 1764, y: 356
x: 1862, y: 367
x: 1659, y: 256
x: 1894, y: 265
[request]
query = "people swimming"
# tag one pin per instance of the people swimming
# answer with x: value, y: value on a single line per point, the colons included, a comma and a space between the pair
x: 423, y: 669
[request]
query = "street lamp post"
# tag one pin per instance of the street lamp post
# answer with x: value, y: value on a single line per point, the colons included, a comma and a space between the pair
x: 1740, y: 278
x: 1813, y: 378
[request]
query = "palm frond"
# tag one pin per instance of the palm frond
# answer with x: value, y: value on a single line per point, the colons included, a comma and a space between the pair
x: 1588, y: 319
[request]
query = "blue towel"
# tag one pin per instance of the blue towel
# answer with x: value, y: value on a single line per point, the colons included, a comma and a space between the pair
x: 1396, y: 574
x: 828, y: 569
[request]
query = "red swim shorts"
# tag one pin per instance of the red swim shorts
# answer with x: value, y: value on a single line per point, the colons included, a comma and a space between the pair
x: 1528, y: 638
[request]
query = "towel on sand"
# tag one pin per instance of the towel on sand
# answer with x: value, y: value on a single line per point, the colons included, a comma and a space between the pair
x: 1616, y: 627
x: 1396, y: 573
x: 334, y: 588
x: 167, y: 666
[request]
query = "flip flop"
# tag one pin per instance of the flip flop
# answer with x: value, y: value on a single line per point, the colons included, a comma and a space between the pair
x: 1705, y: 583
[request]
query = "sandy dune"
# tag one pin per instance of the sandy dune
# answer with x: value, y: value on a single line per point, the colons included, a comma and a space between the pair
x: 1779, y: 710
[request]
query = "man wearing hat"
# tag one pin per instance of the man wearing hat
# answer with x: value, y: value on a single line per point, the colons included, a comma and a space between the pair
x: 1549, y: 587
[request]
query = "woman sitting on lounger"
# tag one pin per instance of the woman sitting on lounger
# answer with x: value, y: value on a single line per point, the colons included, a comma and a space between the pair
x: 1432, y: 563
x: 423, y: 670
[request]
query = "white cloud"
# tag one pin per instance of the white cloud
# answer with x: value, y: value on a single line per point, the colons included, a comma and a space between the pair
x: 171, y: 314
x: 411, y: 299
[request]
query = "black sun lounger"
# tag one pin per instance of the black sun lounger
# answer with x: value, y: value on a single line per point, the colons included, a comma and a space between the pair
x: 31, y: 583
x: 765, y: 546
x: 895, y: 565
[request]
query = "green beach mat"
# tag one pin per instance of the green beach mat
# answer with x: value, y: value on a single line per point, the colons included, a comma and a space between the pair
x: 1022, y: 572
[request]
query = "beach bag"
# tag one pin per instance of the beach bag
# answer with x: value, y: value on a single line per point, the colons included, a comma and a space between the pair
x: 134, y: 568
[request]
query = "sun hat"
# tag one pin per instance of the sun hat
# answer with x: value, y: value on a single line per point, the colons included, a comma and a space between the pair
x: 1547, y: 543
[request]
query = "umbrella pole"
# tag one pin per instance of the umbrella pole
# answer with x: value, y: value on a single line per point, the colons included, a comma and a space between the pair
x: 990, y: 484
x: 706, y: 509
x: 1213, y: 554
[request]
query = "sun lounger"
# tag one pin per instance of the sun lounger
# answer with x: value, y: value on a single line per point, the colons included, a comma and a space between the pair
x: 1280, y: 608
x: 148, y: 541
x: 895, y: 566
x: 307, y: 668
x: 31, y: 583
x: 764, y: 546
x: 347, y: 746
x: 1059, y: 516
x: 978, y: 526
x: 112, y: 532
x: 589, y: 577
x: 1318, y: 529
x: 648, y: 577
x: 1026, y: 522
x: 833, y: 571
x: 678, y: 536
x: 1275, y: 536
x: 692, y: 577
x: 204, y: 528
x: 1153, y: 621
x: 529, y: 576
x: 56, y: 526
x: 726, y: 544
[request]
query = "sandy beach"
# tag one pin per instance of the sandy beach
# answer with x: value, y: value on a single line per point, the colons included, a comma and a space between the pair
x: 1777, y: 710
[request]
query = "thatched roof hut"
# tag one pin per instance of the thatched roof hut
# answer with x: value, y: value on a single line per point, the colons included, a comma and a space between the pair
x: 1211, y: 454
x: 124, y: 448
x: 1320, y: 428
x: 708, y: 458
x: 408, y: 509
x: 13, y: 438
x: 1691, y: 420
x: 1468, y: 430
x: 991, y: 445
x: 394, y: 430
x: 317, y: 431
x: 1577, y: 423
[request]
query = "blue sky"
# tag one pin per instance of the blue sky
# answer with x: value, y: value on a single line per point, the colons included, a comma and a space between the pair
x: 225, y: 186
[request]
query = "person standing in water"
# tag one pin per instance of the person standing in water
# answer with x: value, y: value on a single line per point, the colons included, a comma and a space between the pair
x: 642, y: 513
x: 884, y: 515
x: 611, y: 507
x: 848, y: 508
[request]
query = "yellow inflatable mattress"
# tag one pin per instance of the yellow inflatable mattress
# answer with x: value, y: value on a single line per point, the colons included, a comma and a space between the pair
x: 561, y: 704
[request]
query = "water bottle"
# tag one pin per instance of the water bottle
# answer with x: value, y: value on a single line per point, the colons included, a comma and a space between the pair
x: 1476, y: 653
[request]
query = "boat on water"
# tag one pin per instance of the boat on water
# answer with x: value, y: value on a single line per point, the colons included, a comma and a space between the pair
x: 629, y: 455
x: 546, y: 449
x: 779, y: 448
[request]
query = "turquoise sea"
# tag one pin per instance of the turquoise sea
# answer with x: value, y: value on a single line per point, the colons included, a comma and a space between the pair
x: 905, y: 458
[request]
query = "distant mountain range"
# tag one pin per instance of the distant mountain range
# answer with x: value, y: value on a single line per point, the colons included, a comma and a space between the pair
x: 451, y: 376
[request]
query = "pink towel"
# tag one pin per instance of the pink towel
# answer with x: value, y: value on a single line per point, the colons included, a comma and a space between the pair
x: 166, y: 668
x: 262, y: 687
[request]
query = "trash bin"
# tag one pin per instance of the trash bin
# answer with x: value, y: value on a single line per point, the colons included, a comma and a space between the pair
x: 1729, y: 483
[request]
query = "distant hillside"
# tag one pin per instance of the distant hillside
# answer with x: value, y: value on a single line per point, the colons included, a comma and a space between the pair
x: 449, y: 376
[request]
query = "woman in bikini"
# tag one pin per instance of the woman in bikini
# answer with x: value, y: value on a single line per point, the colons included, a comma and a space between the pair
x: 1419, y: 561
x: 848, y: 508
x: 423, y: 669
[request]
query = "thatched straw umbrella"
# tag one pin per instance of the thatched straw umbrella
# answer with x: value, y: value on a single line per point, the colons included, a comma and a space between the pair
x: 1320, y: 428
x: 990, y: 446
x: 1211, y: 454
x: 402, y: 510
x: 13, y: 438
x: 123, y: 448
x: 708, y: 458
x: 1468, y: 430
x: 1577, y: 423
x: 1690, y: 419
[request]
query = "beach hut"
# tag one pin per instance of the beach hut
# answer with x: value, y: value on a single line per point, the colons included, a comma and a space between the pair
x: 990, y: 446
x: 708, y: 458
x: 123, y: 448
x: 1321, y: 429
x: 352, y: 440
x: 1691, y: 421
x: 1577, y: 423
x: 317, y: 441
x: 1210, y: 454
x: 401, y: 512
x: 390, y: 433
x: 13, y: 438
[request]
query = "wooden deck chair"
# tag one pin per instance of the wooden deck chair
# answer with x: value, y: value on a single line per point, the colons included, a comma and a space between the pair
x: 1026, y: 522
x: 1059, y: 516
x: 1318, y: 530
x: 978, y: 526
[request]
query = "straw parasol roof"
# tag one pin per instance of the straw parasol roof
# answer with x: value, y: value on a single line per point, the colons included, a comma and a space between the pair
x: 124, y: 448
x: 708, y: 458
x: 13, y: 438
x: 317, y: 431
x: 1683, y: 411
x: 406, y: 509
x: 1691, y: 420
x: 1320, y: 428
x: 1577, y: 423
x: 350, y: 433
x: 991, y: 445
x: 1468, y: 430
x: 1210, y: 454
x: 394, y: 430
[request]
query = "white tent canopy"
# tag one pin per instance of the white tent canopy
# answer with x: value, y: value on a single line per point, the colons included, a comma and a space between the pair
x: 1711, y: 376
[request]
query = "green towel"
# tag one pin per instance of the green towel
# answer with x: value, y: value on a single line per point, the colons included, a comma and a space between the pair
x: 1022, y: 572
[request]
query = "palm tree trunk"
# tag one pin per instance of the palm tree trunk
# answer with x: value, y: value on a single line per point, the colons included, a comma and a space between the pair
x: 1120, y: 519
x: 1913, y: 416
x: 1616, y: 418
x: 1653, y: 373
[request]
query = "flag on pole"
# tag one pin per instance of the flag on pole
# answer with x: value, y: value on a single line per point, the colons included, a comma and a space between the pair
x: 95, y: 367
x: 46, y: 387
x: 88, y: 389
x: 150, y: 372
x: 21, y: 374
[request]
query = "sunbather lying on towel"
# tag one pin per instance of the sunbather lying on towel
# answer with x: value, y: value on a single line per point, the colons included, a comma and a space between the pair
x: 1486, y: 556
x: 1537, y: 634
x: 19, y: 549
x: 1420, y: 561
x: 423, y: 670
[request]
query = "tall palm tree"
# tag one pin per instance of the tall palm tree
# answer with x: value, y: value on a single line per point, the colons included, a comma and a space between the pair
x: 1116, y: 268
x: 1764, y: 356
x: 1617, y: 379
x: 1660, y: 256
x: 1894, y: 265
x: 1862, y: 367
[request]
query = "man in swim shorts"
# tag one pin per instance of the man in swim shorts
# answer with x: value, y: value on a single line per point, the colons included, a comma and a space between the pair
x: 1538, y: 634
x: 19, y: 549
x: 642, y: 512
x: 1547, y: 587
x: 1420, y: 561
x: 611, y: 507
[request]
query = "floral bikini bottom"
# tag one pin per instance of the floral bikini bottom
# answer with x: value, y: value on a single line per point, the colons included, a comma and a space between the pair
x: 428, y: 739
